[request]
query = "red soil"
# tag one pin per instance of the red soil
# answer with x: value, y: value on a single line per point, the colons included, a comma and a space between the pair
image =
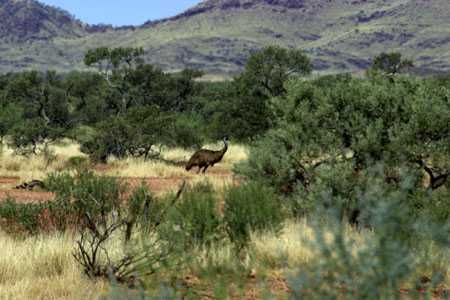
x: 9, y: 180
x: 156, y: 185
x: 25, y: 196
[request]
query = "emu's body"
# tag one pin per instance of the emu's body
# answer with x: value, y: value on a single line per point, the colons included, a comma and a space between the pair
x: 204, y: 158
x: 31, y: 185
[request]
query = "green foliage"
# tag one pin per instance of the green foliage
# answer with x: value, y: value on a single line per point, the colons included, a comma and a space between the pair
x: 330, y: 131
x: 131, y: 135
x: 78, y: 163
x: 391, y: 63
x: 84, y: 194
x: 268, y: 70
x: 10, y: 115
x: 251, y: 207
x: 25, y: 215
x: 144, y: 209
x: 197, y: 214
x: 106, y: 58
x: 188, y: 130
x: 378, y: 267
x: 39, y: 110
x: 89, y: 96
x: 241, y: 107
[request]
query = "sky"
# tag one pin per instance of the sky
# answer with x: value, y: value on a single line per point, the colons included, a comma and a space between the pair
x: 122, y: 12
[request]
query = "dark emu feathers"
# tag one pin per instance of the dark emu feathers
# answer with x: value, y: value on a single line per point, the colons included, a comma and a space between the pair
x: 204, y: 158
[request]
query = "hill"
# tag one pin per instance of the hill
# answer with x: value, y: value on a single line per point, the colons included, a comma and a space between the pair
x: 27, y: 20
x: 217, y: 36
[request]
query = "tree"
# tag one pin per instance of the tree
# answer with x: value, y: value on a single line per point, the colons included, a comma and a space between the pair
x: 391, y: 63
x: 267, y: 70
x: 242, y: 107
x: 328, y: 137
x: 10, y: 115
x: 116, y: 65
x: 45, y: 110
x: 134, y: 134
x: 87, y: 94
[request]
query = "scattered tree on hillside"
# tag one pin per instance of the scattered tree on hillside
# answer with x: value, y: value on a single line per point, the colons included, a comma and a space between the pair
x: 267, y: 70
x: 391, y: 63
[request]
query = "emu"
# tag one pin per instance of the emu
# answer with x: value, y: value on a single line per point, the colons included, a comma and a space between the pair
x: 204, y: 158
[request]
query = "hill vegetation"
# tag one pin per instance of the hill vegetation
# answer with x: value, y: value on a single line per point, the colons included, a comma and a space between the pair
x: 217, y: 36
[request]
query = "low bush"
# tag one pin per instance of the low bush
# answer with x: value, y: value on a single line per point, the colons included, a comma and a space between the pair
x: 20, y: 217
x: 85, y: 193
x: 197, y: 214
x: 78, y: 163
x: 251, y: 207
x: 382, y: 264
x: 125, y: 245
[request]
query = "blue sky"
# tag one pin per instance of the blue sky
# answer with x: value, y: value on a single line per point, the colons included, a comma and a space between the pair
x: 122, y: 12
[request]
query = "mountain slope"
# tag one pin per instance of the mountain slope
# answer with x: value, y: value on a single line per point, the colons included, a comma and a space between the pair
x: 24, y: 20
x: 218, y: 35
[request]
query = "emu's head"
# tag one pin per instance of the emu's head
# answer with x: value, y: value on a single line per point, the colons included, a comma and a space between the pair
x: 226, y: 140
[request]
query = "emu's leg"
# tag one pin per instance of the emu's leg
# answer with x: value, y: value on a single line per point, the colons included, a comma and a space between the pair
x: 204, y: 170
x: 199, y: 169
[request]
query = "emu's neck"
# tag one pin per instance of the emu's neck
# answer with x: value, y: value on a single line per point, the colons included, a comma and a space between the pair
x: 225, y: 147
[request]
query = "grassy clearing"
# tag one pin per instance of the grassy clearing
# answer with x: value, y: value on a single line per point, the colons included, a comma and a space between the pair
x: 36, y: 167
x: 39, y: 166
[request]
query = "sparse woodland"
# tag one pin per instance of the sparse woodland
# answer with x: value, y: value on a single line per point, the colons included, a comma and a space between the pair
x: 333, y: 187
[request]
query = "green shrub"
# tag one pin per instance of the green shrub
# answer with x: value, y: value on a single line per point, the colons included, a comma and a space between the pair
x: 197, y: 214
x: 84, y: 193
x: 383, y: 262
x: 132, y: 134
x: 330, y: 132
x: 188, y: 131
x: 78, y: 163
x: 251, y: 207
x: 144, y: 208
x: 24, y: 215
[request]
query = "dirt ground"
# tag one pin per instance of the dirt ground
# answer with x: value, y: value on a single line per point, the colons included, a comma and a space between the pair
x: 155, y: 184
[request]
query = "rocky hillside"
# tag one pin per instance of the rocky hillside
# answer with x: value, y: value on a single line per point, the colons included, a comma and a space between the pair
x: 27, y: 20
x: 218, y: 35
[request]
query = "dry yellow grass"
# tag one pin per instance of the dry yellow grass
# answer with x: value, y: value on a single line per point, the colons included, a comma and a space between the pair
x: 35, y: 167
x: 137, y: 168
x: 43, y: 268
x: 234, y: 154
x: 291, y: 249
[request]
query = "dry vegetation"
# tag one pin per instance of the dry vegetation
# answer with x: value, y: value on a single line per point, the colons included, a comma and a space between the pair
x: 42, y: 267
x: 39, y: 166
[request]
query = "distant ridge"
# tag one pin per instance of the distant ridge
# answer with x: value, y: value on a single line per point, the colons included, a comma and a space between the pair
x: 217, y: 36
